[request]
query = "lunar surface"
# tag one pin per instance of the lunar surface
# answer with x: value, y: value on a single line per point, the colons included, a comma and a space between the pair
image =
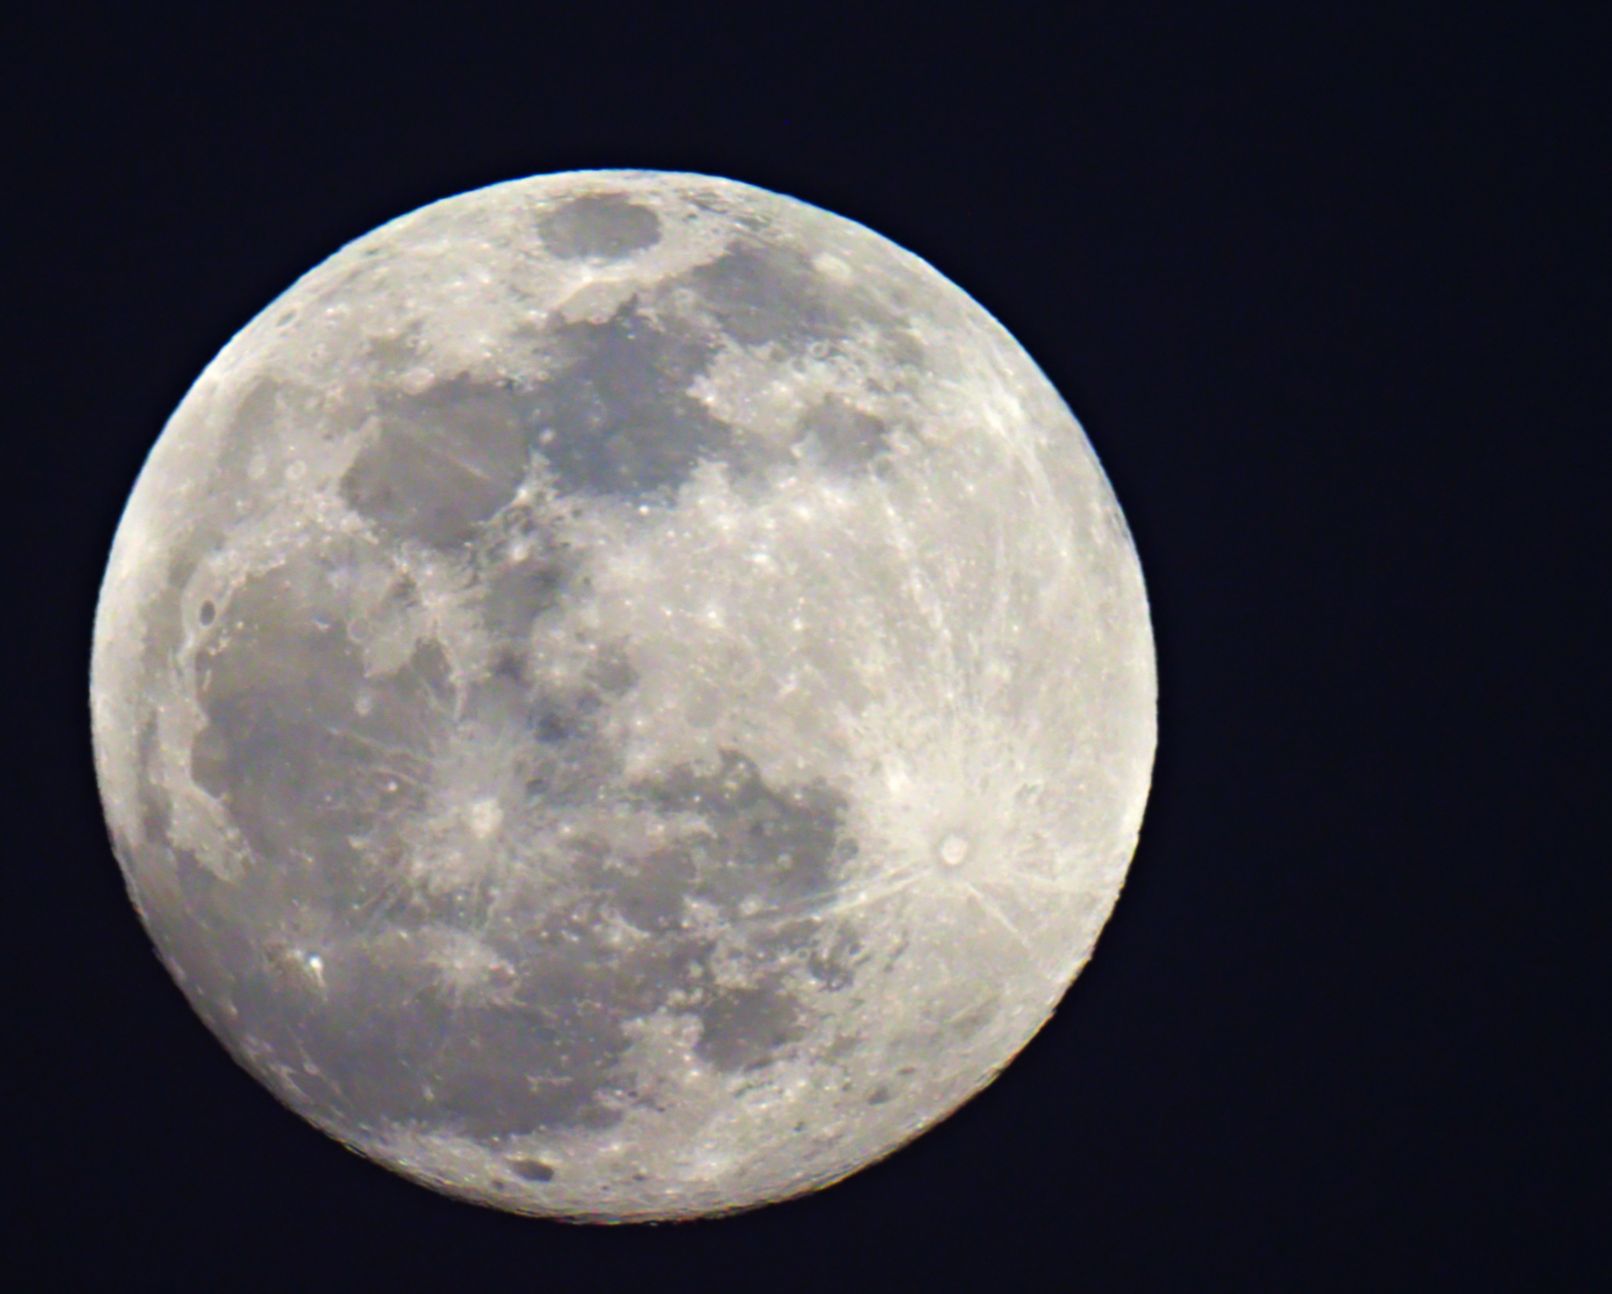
x: 622, y: 695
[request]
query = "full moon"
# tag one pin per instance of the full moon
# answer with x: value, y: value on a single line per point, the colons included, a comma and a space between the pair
x: 623, y: 696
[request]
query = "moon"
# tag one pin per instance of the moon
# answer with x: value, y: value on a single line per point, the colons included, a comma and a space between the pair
x: 622, y: 695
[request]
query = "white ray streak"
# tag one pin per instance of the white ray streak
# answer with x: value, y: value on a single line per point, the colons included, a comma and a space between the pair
x: 991, y: 909
x: 436, y: 449
x: 384, y: 747
x: 888, y: 888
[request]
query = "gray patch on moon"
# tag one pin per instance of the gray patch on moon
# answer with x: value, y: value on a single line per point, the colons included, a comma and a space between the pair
x: 760, y: 294
x: 785, y: 848
x: 521, y: 569
x: 321, y: 791
x: 842, y: 437
x: 617, y: 418
x: 442, y: 462
x: 606, y: 226
x: 744, y: 1028
x: 285, y: 748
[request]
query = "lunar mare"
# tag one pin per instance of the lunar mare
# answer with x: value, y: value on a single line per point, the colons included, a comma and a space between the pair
x: 622, y: 695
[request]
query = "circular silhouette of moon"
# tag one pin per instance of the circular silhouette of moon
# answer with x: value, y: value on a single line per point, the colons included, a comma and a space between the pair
x: 622, y: 695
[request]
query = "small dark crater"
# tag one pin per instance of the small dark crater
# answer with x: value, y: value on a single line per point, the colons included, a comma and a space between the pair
x: 555, y: 725
x: 508, y: 667
x: 207, y: 613
x: 879, y: 1095
x: 563, y: 715
x: 532, y: 1170
x: 834, y: 966
x: 606, y: 226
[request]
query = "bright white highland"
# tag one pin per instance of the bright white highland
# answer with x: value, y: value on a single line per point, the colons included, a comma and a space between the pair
x: 623, y: 696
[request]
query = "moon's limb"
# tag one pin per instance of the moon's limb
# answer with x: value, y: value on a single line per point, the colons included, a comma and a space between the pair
x: 622, y: 695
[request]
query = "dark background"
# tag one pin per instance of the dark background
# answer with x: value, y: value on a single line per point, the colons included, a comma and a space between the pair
x: 1323, y: 284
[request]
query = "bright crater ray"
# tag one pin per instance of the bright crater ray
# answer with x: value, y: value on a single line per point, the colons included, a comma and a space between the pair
x: 623, y: 695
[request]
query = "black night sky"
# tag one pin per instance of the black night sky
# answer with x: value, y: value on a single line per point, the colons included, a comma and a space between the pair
x: 1318, y: 280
